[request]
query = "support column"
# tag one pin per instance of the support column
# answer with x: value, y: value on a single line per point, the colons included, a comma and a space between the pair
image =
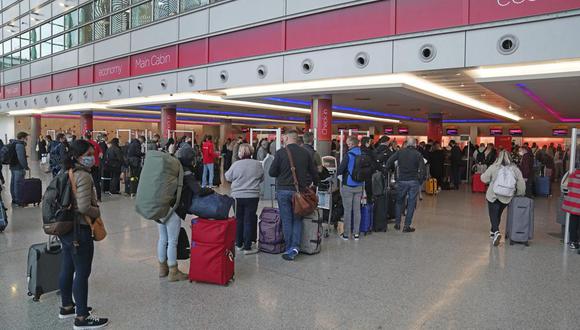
x: 321, y: 121
x: 225, y: 130
x: 168, y: 120
x: 35, y: 126
x: 435, y: 127
x: 86, y: 122
x: 474, y: 133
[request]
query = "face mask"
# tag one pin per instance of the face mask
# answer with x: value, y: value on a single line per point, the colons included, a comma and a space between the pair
x: 88, y: 161
x: 69, y: 139
x: 522, y: 152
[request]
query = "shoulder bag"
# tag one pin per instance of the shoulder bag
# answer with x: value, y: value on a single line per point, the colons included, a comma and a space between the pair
x: 303, y: 202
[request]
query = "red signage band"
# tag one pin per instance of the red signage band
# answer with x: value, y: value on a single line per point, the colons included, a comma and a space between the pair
x: 324, y: 122
x: 193, y: 53
x: 482, y: 11
x: 12, y: 90
x: 86, y: 75
x: 41, y: 85
x: 25, y: 88
x: 64, y: 80
x: 111, y: 70
x: 158, y: 60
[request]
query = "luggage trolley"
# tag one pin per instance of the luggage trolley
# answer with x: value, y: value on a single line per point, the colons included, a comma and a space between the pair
x: 325, y: 189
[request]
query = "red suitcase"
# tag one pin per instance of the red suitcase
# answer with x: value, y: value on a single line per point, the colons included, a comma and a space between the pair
x: 212, y: 250
x: 477, y: 185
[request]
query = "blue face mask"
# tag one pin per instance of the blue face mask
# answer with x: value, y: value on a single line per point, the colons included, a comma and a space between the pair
x: 88, y: 161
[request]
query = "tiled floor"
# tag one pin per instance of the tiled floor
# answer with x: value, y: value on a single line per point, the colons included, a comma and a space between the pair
x: 444, y: 276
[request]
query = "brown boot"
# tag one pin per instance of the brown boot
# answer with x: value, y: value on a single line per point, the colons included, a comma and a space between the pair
x: 163, y: 269
x: 176, y: 275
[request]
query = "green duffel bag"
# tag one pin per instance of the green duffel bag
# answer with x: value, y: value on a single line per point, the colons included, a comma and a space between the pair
x: 160, y: 186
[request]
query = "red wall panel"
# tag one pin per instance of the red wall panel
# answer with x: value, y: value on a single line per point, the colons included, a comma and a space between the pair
x: 482, y: 11
x: 158, y: 60
x: 112, y: 70
x: 12, y: 90
x: 421, y: 15
x: 41, y: 85
x: 25, y: 87
x: 1, y: 92
x: 193, y: 53
x: 66, y: 79
x: 86, y: 75
x: 260, y: 40
x: 368, y: 21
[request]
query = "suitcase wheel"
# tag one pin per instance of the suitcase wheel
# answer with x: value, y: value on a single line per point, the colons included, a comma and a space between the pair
x: 30, y: 294
x: 36, y: 298
x: 527, y: 244
x: 511, y: 242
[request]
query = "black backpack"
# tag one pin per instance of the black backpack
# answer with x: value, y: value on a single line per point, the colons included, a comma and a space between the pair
x: 58, y: 213
x: 363, y: 168
x: 8, y: 154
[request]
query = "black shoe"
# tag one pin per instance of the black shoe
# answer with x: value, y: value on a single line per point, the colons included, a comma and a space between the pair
x: 68, y: 313
x: 397, y: 226
x: 90, y: 322
x: 408, y: 229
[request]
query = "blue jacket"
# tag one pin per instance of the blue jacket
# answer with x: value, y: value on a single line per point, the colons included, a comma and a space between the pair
x: 346, y: 167
x: 22, y: 162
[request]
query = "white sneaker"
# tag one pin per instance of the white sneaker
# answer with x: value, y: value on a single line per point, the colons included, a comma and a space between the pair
x: 239, y: 248
x: 496, y: 238
x: 251, y: 251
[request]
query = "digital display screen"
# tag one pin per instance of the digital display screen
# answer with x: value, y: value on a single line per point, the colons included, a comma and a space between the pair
x: 495, y: 131
x: 389, y: 131
x: 403, y: 130
x: 452, y: 131
x: 516, y: 132
x: 560, y: 132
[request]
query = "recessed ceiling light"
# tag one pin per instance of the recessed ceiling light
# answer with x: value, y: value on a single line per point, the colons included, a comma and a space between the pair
x: 462, y: 85
x: 458, y: 74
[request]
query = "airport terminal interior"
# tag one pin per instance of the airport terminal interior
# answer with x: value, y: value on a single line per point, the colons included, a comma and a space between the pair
x: 492, y: 77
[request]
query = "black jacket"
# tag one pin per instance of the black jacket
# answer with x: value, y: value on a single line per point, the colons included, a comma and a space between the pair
x: 382, y: 155
x: 114, y: 159
x: 305, y: 170
x: 410, y: 161
x: 456, y: 156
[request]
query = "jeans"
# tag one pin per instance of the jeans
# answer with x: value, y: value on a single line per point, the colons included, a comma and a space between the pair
x: 456, y: 176
x: 351, y: 197
x: 408, y: 190
x: 167, y: 243
x: 207, y: 168
x: 16, y: 184
x: 574, y: 228
x: 75, y: 269
x: 291, y: 223
x: 495, y: 211
x: 246, y: 209
x: 96, y: 174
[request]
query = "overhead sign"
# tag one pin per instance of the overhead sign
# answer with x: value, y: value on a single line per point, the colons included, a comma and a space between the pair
x: 560, y: 132
x: 111, y: 70
x: 158, y: 60
x: 452, y: 131
x: 481, y: 11
x: 495, y: 131
x: 516, y: 132
x: 389, y: 131
x: 324, y: 120
x: 403, y: 130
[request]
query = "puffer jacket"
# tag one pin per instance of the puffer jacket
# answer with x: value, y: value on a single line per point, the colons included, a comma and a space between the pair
x: 491, y: 174
x: 86, y: 198
x: 572, y: 200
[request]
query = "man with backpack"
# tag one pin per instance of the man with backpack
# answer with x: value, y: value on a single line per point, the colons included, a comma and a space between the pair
x: 58, y: 153
x: 18, y: 166
x: 412, y: 172
x: 383, y: 152
x: 355, y: 169
x: 2, y: 181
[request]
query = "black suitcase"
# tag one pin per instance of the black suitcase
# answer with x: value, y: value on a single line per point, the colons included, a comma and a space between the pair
x: 391, y: 203
x: 3, y: 216
x: 217, y: 179
x: 381, y: 214
x: 43, y: 268
x: 106, y: 181
x: 31, y: 192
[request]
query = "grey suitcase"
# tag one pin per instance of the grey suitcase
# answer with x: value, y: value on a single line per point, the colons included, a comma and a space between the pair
x: 311, y: 242
x: 43, y: 267
x: 520, y: 220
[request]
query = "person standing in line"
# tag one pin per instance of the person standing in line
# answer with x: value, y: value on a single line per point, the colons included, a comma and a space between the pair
x: 527, y: 168
x: 236, y: 145
x: 437, y: 163
x: 306, y: 174
x: 308, y: 139
x: 571, y: 205
x: 154, y: 143
x: 351, y: 190
x: 262, y: 150
x: 96, y: 170
x: 411, y: 169
x: 58, y: 153
x: 78, y: 246
x: 496, y: 203
x: 209, y: 155
x: 41, y: 146
x: 170, y: 146
x: 246, y: 175
x: 114, y: 161
x: 227, y: 154
x: 456, y: 161
x: 18, y: 168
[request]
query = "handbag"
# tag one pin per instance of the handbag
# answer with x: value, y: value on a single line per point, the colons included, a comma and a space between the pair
x: 98, y: 231
x: 213, y: 206
x: 183, y: 247
x: 305, y: 201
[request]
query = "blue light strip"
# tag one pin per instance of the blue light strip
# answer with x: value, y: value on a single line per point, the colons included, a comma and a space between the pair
x: 226, y: 113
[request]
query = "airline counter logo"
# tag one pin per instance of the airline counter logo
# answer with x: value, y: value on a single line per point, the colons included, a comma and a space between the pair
x: 505, y: 3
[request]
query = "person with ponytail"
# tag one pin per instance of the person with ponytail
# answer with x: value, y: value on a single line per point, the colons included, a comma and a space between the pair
x: 77, y: 245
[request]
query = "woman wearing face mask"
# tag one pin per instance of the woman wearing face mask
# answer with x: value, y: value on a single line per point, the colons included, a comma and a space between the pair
x: 77, y: 245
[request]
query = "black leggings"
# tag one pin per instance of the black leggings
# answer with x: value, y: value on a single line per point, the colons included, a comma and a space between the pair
x: 574, y: 229
x: 495, y: 211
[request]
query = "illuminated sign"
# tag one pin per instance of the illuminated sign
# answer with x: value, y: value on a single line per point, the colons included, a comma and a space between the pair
x: 560, y: 132
x: 403, y: 130
x: 516, y: 132
x: 495, y: 131
x: 452, y: 131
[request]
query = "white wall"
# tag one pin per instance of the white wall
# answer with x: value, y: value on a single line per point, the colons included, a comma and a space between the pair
x: 6, y: 127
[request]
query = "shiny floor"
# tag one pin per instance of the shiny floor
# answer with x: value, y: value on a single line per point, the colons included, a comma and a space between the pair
x: 444, y: 276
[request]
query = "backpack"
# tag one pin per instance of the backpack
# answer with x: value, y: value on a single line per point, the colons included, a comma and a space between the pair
x: 363, y: 168
x: 505, y: 182
x: 58, y: 214
x: 159, y: 193
x: 8, y: 154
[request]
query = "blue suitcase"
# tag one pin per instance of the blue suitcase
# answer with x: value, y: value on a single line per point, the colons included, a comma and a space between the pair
x: 543, y: 186
x: 366, y: 219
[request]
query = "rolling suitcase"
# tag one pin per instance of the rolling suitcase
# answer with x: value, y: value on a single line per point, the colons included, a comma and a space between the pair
x: 391, y: 203
x: 311, y: 242
x: 106, y: 181
x: 380, y: 215
x: 366, y: 218
x: 212, y: 251
x: 271, y: 236
x: 543, y: 186
x: 31, y: 192
x: 217, y: 179
x: 477, y: 186
x: 3, y: 216
x: 431, y: 186
x: 520, y: 220
x: 43, y: 268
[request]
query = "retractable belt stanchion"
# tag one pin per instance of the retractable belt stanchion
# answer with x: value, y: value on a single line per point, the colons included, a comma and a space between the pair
x: 52, y: 133
x: 277, y: 131
x: 119, y: 130
x: 350, y: 132
x: 171, y: 133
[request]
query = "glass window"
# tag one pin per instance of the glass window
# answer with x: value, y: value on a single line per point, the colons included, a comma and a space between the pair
x: 58, y: 25
x: 71, y: 20
x: 45, y: 31
x: 71, y: 39
x: 25, y: 56
x: 58, y: 44
x: 6, y: 62
x: 7, y: 47
x: 121, y: 21
x: 45, y: 48
x: 101, y: 28
x: 165, y: 8
x: 119, y: 4
x: 35, y: 35
x: 141, y: 14
x: 192, y: 4
x: 85, y: 34
x: 25, y: 39
x: 15, y: 43
x: 86, y: 13
x: 15, y: 58
x: 35, y: 52
x: 135, y: 1
x: 102, y: 8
